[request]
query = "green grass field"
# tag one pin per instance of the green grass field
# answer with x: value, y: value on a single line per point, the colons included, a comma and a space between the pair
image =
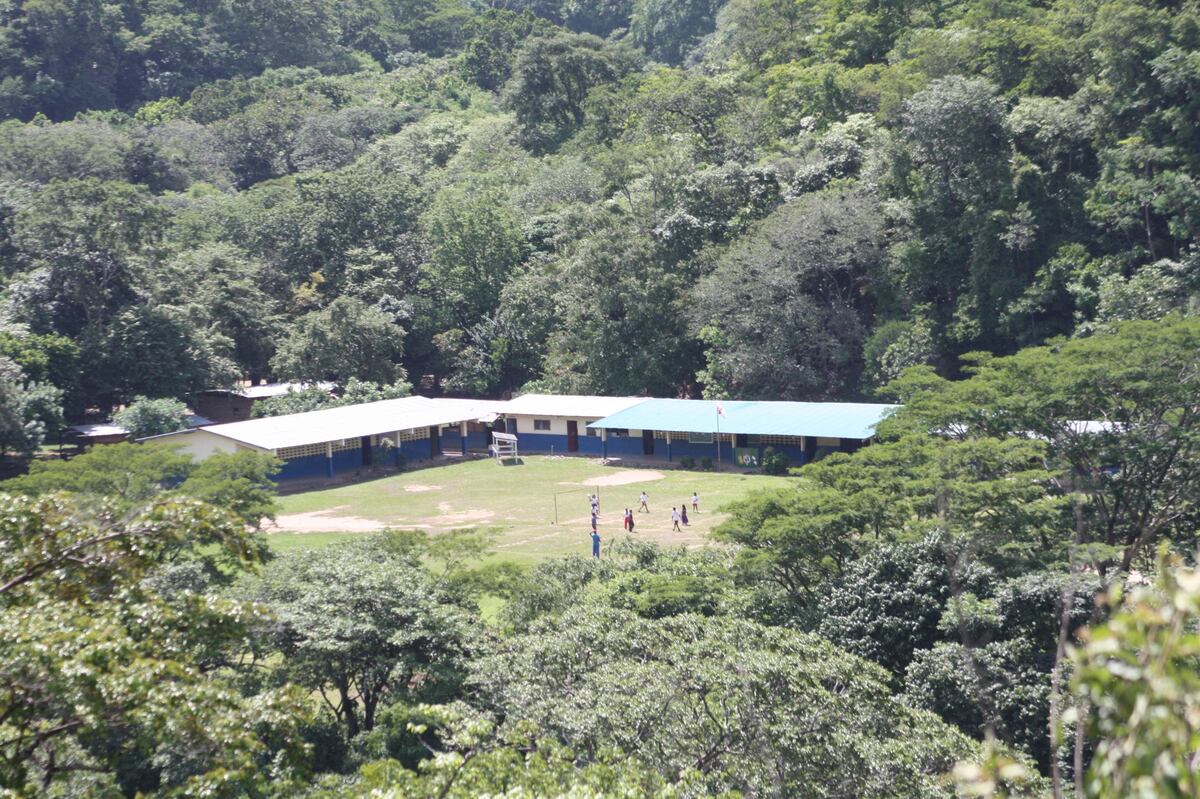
x: 517, y: 502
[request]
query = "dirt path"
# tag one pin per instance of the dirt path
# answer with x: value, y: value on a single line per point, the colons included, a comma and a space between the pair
x: 325, y: 521
x: 624, y: 478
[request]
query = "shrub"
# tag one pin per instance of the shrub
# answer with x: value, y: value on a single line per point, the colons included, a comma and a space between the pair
x: 774, y: 462
x: 706, y: 463
x: 664, y: 595
x: 687, y: 462
x: 152, y: 417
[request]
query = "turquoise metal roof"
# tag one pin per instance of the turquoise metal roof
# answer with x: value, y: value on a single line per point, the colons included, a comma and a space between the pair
x: 830, y: 419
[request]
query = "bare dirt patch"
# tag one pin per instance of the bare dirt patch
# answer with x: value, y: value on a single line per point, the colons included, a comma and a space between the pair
x: 416, y: 489
x: 458, y: 518
x: 624, y: 478
x: 325, y: 521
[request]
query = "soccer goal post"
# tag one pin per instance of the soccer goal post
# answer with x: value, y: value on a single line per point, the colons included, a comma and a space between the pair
x: 573, y: 492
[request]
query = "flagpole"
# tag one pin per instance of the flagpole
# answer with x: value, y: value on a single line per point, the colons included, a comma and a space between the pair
x: 718, y: 438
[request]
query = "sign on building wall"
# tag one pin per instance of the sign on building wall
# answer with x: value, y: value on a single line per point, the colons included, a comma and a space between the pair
x: 746, y: 457
x: 700, y: 438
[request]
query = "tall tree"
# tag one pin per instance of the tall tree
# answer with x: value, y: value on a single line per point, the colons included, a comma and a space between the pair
x: 364, y: 627
x: 781, y: 314
x: 346, y: 339
x: 552, y: 77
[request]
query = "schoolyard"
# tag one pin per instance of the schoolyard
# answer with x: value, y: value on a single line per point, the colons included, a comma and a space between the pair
x: 517, y: 502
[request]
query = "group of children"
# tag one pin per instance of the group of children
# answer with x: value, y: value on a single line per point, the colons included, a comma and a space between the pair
x: 678, y: 516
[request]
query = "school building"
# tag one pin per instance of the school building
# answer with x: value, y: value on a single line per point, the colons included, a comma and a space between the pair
x: 347, y: 439
x: 335, y: 441
x: 559, y: 424
x: 739, y: 431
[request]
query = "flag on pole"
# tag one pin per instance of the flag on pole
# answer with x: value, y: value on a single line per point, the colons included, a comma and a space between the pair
x: 720, y: 410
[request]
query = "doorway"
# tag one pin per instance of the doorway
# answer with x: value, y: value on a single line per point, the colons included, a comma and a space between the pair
x: 365, y: 443
x: 647, y: 442
x: 435, y: 441
x: 572, y: 435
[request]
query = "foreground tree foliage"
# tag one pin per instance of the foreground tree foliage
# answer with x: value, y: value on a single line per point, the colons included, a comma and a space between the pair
x: 1135, y: 469
x: 112, y: 686
x: 759, y: 708
x: 365, y: 628
x: 487, y: 760
x: 129, y: 474
x: 1136, y: 676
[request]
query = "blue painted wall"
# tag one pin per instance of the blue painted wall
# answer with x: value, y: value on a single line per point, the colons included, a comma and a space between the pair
x: 350, y: 460
x: 680, y: 449
x: 312, y: 466
x: 414, y: 451
x: 306, y: 467
x: 347, y: 460
x: 478, y: 441
x: 541, y: 442
x: 631, y: 446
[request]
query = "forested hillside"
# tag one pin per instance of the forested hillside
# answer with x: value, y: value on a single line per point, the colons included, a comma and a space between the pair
x: 765, y: 199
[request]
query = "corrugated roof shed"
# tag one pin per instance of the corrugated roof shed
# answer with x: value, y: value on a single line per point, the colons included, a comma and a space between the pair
x: 353, y: 421
x: 828, y: 419
x: 268, y: 390
x: 97, y: 430
x: 569, y: 405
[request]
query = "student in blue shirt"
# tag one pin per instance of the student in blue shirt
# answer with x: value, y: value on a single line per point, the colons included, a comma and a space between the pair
x: 595, y: 544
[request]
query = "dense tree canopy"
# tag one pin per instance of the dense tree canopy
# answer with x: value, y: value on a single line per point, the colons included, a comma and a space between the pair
x: 761, y: 199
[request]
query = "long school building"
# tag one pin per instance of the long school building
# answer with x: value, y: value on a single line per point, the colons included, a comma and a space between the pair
x: 741, y: 431
x: 335, y: 441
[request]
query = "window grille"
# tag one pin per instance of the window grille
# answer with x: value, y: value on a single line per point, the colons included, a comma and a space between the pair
x: 786, y: 441
x: 307, y: 450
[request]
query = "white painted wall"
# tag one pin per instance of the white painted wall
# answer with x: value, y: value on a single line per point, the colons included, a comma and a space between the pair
x: 558, y: 425
x: 200, y: 444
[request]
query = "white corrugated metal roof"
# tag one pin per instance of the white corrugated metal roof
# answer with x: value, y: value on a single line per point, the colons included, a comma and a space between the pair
x: 569, y: 405
x: 268, y: 390
x: 279, y: 389
x: 353, y: 421
x: 95, y: 430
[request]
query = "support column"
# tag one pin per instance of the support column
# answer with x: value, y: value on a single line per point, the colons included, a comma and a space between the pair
x: 668, y: 433
x: 462, y: 436
x: 329, y: 458
x: 604, y: 443
x: 396, y: 451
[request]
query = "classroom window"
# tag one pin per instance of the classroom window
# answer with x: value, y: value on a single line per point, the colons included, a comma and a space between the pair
x: 541, y: 424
